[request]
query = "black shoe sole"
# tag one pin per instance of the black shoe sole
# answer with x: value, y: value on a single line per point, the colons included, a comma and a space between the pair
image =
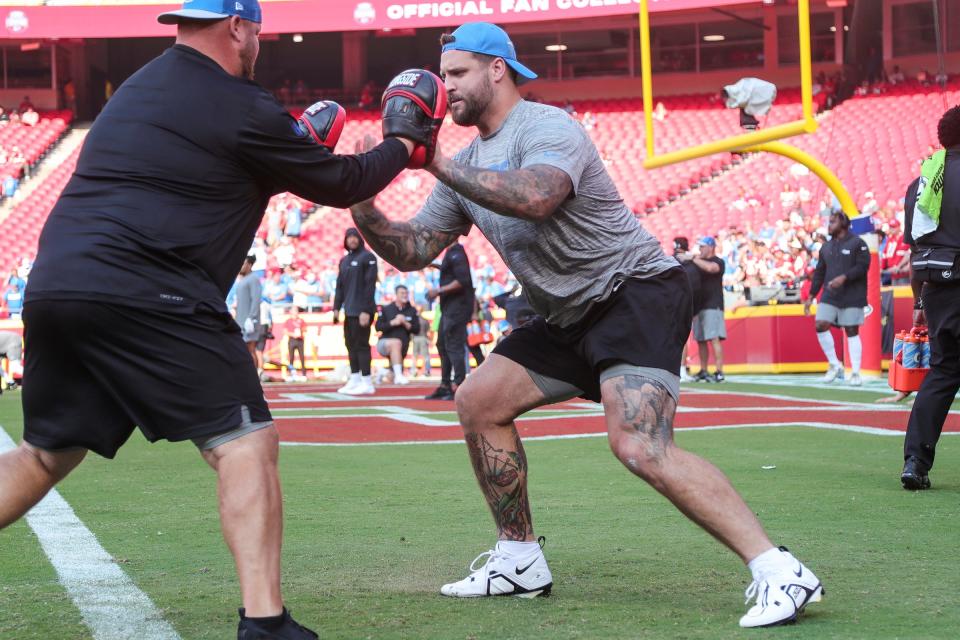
x: 915, y: 483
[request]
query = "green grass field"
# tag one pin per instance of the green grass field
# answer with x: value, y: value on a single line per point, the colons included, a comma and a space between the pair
x: 372, y: 532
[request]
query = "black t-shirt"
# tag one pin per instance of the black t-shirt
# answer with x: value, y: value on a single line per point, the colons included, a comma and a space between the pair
x: 172, y: 183
x: 695, y: 278
x: 455, y: 266
x: 711, y: 286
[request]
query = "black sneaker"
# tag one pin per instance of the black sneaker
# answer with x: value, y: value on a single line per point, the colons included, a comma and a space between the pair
x: 12, y: 385
x: 719, y: 377
x: 441, y: 393
x: 283, y: 627
x: 702, y: 377
x: 913, y: 477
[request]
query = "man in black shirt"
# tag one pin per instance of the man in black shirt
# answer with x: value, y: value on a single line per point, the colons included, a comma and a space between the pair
x: 708, y: 324
x: 125, y: 312
x: 936, y: 290
x: 396, y: 323
x: 456, y: 307
x: 843, y: 265
x: 356, y: 290
x: 681, y: 251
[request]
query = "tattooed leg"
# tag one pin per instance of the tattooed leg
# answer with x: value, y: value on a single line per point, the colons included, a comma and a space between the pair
x: 639, y: 414
x: 487, y: 403
x: 502, y: 474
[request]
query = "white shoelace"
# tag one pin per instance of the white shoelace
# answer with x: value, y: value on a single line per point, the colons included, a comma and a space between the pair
x: 489, y: 555
x: 752, y: 590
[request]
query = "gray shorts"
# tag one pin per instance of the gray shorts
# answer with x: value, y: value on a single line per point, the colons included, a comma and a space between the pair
x: 10, y: 345
x: 252, y: 336
x: 246, y: 426
x: 709, y: 324
x: 845, y: 317
x: 558, y: 391
x: 421, y: 346
x: 383, y: 345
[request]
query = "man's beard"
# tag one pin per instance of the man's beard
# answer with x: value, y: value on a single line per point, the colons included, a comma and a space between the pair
x: 474, y: 106
x: 247, y: 62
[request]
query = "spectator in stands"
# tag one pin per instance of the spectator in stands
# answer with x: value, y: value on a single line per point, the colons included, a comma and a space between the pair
x: 896, y: 76
x: 397, y: 322
x: 894, y: 255
x: 285, y: 253
x: 29, y: 118
x: 589, y: 121
x: 294, y: 219
x: 275, y: 220
x: 308, y: 292
x: 660, y: 112
x: 285, y: 92
x: 569, y: 108
x: 70, y: 95
x: 4, y: 116
x: 367, y: 100
x: 301, y: 95
x: 456, y: 306
x: 355, y: 291
x: 277, y: 291
x: 295, y: 329
x: 843, y: 265
x: 259, y: 252
x: 708, y: 325
x: 249, y: 293
x: 25, y: 105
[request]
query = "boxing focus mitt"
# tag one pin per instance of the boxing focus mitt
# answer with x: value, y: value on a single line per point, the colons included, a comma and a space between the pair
x: 324, y: 122
x: 413, y: 107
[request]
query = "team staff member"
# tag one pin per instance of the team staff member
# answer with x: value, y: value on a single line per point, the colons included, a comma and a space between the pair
x: 709, y: 327
x: 614, y: 313
x: 355, y: 294
x: 396, y: 323
x: 249, y: 295
x: 125, y: 313
x: 934, y: 237
x: 681, y: 252
x: 843, y: 264
x: 455, y: 291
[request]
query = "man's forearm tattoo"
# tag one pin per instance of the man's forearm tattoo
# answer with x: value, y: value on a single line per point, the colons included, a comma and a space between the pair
x: 408, y: 246
x: 648, y: 410
x: 502, y: 475
x: 530, y: 194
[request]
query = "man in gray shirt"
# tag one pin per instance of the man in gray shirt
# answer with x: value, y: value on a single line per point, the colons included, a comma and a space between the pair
x: 614, y: 314
x: 249, y: 292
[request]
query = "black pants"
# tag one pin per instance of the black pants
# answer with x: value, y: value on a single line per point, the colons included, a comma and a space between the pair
x: 939, y: 388
x: 477, y: 353
x: 357, y: 339
x: 452, y: 344
x: 295, y: 345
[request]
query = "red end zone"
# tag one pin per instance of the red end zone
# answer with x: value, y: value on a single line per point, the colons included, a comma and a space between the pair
x: 404, y: 416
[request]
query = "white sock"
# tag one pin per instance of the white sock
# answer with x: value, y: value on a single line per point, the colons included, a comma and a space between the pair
x: 769, y: 562
x: 397, y: 370
x: 825, y: 338
x: 354, y: 378
x: 856, y: 352
x: 515, y: 548
x: 367, y: 380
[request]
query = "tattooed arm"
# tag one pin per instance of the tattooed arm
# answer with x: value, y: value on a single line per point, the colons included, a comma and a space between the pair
x: 532, y: 193
x: 406, y: 245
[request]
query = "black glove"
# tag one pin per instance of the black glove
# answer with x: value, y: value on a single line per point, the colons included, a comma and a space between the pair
x: 413, y: 107
x: 324, y: 122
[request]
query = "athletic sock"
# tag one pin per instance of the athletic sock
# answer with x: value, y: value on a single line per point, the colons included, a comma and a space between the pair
x: 397, y: 370
x: 367, y: 380
x: 825, y: 338
x: 270, y: 623
x: 354, y: 378
x: 514, y: 548
x: 768, y: 563
x: 856, y: 352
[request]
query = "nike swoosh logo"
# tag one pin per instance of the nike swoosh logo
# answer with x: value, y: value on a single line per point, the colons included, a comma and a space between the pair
x: 799, y: 571
x: 520, y: 571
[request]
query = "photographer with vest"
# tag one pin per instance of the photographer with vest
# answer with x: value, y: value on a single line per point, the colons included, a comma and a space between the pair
x: 932, y: 228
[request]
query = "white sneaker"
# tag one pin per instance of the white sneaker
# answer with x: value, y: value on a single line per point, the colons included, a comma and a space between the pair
x: 686, y: 377
x: 350, y: 387
x: 399, y: 378
x: 781, y: 598
x: 855, y: 380
x: 833, y: 373
x: 362, y: 389
x: 504, y: 575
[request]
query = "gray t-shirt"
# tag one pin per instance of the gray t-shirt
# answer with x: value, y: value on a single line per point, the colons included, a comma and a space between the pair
x: 249, y: 292
x: 573, y: 259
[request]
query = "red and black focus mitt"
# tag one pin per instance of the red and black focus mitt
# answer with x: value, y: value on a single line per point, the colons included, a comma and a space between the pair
x: 324, y: 122
x: 413, y: 107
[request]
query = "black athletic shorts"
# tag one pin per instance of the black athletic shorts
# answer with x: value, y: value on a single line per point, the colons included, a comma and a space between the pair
x: 96, y: 371
x: 644, y: 323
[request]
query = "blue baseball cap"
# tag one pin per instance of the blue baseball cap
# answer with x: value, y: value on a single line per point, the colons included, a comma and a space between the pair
x: 708, y: 240
x: 491, y: 40
x: 213, y: 10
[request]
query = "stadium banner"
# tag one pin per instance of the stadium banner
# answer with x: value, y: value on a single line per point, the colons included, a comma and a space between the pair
x: 122, y: 19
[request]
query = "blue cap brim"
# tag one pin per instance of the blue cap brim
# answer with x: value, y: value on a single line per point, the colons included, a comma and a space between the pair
x: 174, y: 17
x: 524, y: 73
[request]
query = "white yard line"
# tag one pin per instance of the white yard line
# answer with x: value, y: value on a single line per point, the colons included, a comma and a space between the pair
x: 111, y: 605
